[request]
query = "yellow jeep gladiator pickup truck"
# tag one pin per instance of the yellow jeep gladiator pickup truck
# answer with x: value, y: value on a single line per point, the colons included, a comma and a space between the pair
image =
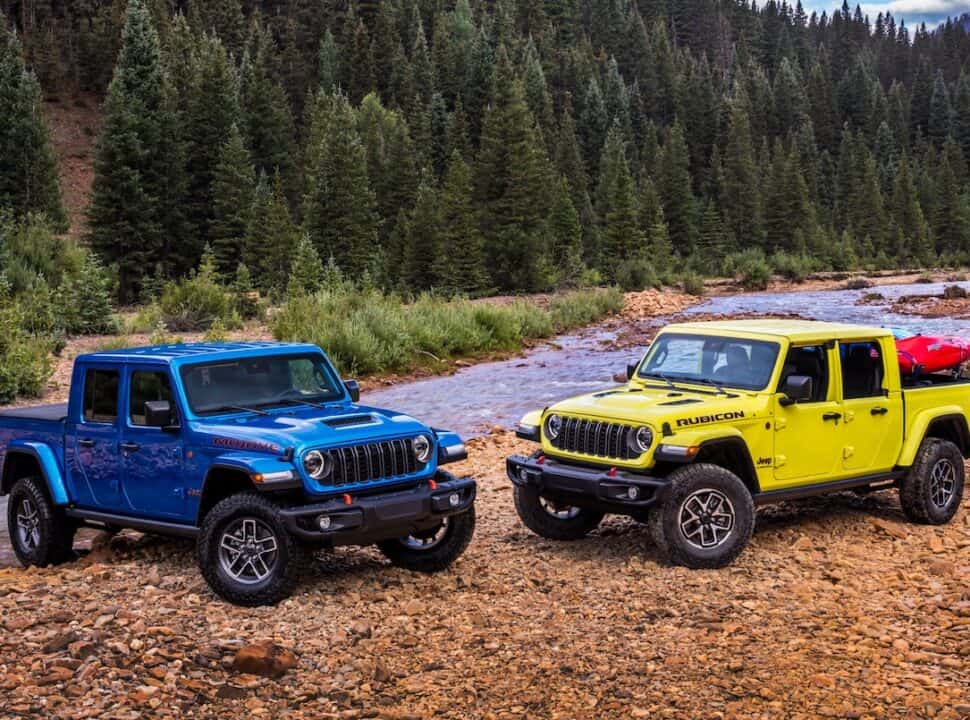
x: 720, y: 417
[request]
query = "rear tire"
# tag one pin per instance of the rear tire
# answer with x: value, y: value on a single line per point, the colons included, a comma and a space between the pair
x: 434, y: 550
x: 552, y: 521
x: 41, y: 533
x: 245, y: 553
x: 932, y: 490
x: 705, y: 519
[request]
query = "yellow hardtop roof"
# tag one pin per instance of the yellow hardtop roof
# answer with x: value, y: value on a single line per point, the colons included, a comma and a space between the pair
x: 793, y: 330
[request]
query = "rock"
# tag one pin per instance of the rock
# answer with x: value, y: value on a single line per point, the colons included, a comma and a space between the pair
x: 620, y: 377
x: 941, y: 567
x: 265, y: 658
x: 56, y: 675
x: 803, y: 543
x: 81, y: 649
x: 60, y: 641
x: 142, y: 695
x: 954, y: 292
x: 889, y: 528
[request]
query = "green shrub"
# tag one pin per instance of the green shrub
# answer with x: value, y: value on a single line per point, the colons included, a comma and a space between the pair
x: 161, y: 336
x: 367, y: 331
x: 145, y: 320
x: 25, y: 359
x: 198, y: 301
x: 693, y: 284
x: 244, y: 295
x: 637, y: 275
x: 750, y: 268
x: 791, y: 266
x: 85, y: 299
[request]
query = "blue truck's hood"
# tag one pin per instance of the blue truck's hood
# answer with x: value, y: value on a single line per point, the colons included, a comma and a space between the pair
x: 304, y: 427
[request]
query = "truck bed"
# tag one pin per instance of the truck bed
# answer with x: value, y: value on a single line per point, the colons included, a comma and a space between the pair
x: 56, y: 412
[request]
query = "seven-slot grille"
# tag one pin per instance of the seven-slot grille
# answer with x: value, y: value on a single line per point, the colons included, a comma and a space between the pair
x: 592, y: 437
x: 371, y: 462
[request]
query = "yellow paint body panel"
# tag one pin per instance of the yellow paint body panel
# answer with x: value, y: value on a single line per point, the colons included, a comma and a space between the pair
x: 789, y: 445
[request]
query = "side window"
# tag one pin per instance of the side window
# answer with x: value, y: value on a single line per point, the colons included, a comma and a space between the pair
x: 812, y: 361
x: 862, y: 370
x: 101, y: 396
x: 146, y: 386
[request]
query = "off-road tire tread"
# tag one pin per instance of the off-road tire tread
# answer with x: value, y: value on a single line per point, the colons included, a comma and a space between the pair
x: 683, y: 482
x: 294, y: 555
x: 57, y: 530
x: 540, y: 522
x: 914, y: 488
x: 461, y: 528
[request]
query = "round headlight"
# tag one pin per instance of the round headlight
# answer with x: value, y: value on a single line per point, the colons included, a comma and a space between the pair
x: 553, y: 426
x: 422, y: 448
x: 316, y: 464
x: 641, y: 439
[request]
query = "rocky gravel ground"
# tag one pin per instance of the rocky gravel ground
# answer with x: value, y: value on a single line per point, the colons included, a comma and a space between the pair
x: 839, y: 608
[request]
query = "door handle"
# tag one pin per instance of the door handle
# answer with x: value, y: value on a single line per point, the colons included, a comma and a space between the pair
x: 832, y: 416
x: 879, y: 411
x: 86, y: 443
x: 130, y: 446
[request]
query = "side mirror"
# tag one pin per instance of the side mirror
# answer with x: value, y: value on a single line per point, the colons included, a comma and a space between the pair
x: 796, y: 388
x: 353, y: 387
x: 158, y: 413
x: 631, y: 369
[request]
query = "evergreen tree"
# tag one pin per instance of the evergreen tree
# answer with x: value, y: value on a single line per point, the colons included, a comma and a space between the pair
x: 623, y: 242
x: 28, y: 169
x: 85, y: 299
x: 340, y: 208
x: 961, y: 114
x: 329, y: 64
x: 675, y: 190
x: 912, y: 242
x: 422, y: 245
x: 271, y: 236
x: 594, y: 123
x: 307, y: 272
x: 938, y: 127
x: 212, y: 108
x: 232, y: 199
x: 510, y: 185
x: 127, y: 220
x: 565, y: 238
x: 660, y: 251
x: 739, y: 196
x: 459, y: 265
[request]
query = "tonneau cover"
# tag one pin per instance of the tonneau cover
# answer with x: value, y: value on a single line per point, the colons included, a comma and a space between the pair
x: 53, y: 413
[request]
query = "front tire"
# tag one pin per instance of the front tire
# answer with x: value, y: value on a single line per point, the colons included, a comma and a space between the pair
x: 40, y: 533
x: 552, y: 520
x: 705, y: 519
x: 435, y: 549
x: 932, y: 490
x: 246, y: 554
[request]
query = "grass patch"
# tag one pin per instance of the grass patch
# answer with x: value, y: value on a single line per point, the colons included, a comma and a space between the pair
x: 367, y: 331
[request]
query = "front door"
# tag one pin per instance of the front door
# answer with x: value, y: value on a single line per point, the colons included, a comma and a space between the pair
x: 808, y: 434
x: 151, y: 456
x: 872, y: 416
x: 93, y: 441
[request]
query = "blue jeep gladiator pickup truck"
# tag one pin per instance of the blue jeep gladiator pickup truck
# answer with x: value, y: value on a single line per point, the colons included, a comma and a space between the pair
x: 257, y: 450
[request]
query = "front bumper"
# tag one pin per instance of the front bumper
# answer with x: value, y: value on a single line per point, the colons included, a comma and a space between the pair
x: 382, y: 516
x: 609, y: 490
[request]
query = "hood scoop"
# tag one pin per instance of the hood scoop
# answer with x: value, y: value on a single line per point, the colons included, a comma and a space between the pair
x: 349, y: 421
x: 684, y: 401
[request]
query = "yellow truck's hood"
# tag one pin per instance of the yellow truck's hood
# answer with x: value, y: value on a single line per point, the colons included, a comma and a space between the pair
x: 654, y: 406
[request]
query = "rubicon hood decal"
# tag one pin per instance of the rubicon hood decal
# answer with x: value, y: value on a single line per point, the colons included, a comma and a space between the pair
x: 238, y: 444
x: 716, y: 417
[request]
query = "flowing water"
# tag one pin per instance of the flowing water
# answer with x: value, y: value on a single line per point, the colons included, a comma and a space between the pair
x: 477, y: 398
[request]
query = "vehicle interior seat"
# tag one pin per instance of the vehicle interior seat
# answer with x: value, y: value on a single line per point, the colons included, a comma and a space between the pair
x: 861, y: 373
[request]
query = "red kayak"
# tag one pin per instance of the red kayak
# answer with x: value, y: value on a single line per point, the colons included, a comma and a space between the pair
x: 927, y: 354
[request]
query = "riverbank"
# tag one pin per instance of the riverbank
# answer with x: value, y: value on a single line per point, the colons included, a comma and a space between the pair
x: 839, y: 608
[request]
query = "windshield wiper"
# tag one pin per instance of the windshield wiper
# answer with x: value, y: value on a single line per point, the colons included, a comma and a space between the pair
x: 294, y: 401
x: 661, y: 376
x: 717, y: 385
x: 239, y: 408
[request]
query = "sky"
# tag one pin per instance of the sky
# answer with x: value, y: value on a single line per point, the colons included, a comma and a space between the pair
x: 932, y: 12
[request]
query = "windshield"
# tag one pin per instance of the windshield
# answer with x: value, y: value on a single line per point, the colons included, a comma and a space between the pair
x: 256, y: 383
x: 709, y: 359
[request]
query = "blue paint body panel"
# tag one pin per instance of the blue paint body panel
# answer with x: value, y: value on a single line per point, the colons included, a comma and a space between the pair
x: 132, y: 470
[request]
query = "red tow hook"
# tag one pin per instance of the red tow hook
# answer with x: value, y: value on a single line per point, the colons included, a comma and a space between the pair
x: 612, y: 472
x: 541, y: 459
x: 432, y: 484
x: 348, y: 500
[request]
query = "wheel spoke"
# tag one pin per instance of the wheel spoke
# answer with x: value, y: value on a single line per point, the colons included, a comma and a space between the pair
x: 706, y: 519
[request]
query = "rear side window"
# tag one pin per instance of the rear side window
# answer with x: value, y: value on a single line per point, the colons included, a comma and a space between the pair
x: 101, y: 396
x: 862, y: 370
x: 147, y: 386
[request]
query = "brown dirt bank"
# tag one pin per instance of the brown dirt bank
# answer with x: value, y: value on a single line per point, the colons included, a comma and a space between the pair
x: 837, y: 609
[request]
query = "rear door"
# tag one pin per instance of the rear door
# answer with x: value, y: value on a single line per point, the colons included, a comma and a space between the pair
x: 92, y: 439
x: 872, y: 415
x: 152, y: 457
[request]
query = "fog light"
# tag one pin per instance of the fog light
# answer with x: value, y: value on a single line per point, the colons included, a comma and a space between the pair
x: 633, y: 493
x: 324, y: 522
x: 454, y: 499
x: 523, y: 475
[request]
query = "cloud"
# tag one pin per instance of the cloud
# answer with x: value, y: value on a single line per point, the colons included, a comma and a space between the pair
x: 914, y: 12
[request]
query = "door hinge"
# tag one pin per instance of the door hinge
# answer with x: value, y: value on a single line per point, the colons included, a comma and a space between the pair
x: 780, y: 423
x: 848, y: 451
x: 780, y: 461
